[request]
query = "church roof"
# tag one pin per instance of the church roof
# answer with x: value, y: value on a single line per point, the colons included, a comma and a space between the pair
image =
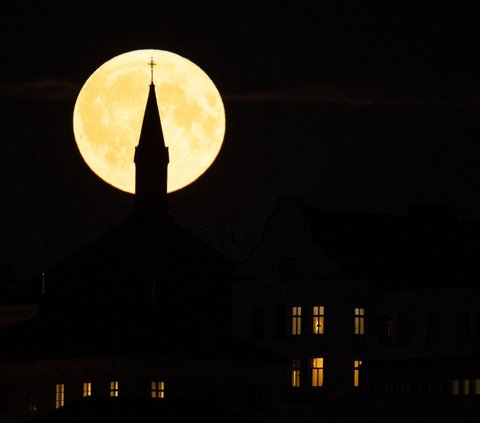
x: 139, y: 290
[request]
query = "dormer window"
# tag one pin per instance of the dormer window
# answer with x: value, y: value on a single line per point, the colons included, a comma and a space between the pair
x: 157, y: 389
x: 288, y: 269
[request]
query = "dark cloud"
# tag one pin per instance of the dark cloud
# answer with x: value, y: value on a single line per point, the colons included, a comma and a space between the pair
x: 387, y: 96
x: 46, y: 89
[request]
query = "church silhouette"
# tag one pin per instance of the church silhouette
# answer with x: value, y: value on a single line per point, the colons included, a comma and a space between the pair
x: 333, y: 316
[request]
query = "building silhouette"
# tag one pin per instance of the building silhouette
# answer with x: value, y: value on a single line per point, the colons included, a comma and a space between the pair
x: 333, y: 316
x: 378, y: 315
x: 140, y: 315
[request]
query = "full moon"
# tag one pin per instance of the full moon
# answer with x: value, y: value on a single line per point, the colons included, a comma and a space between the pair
x: 109, y: 109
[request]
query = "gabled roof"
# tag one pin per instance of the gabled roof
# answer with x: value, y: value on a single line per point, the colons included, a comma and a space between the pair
x: 428, y: 247
x: 125, y: 256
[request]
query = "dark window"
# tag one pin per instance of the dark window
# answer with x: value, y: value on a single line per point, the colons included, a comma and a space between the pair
x: 287, y: 269
x: 403, y: 329
x: 386, y: 330
x: 258, y: 321
x: 433, y: 328
x: 255, y: 397
x: 477, y: 327
x: 463, y: 327
x: 280, y: 320
x: 4, y: 397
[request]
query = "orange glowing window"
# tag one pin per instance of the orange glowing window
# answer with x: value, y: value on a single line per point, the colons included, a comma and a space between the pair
x: 295, y: 376
x: 296, y: 320
x: 318, y: 324
x: 59, y: 395
x: 359, y: 321
x: 317, y: 372
x: 356, y: 373
x: 114, y: 388
x: 157, y: 389
x: 87, y: 389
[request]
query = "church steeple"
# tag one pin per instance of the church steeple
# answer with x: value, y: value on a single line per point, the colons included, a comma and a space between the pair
x: 151, y: 160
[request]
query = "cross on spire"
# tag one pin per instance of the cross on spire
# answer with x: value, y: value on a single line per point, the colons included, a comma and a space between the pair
x: 151, y: 64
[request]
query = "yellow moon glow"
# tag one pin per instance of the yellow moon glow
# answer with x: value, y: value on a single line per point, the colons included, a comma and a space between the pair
x: 109, y: 110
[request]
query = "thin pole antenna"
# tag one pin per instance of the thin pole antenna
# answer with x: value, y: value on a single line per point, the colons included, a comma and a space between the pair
x: 43, y: 283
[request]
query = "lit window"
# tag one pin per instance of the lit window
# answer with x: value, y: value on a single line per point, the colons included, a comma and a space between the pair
x: 356, y: 373
x: 87, y: 389
x: 318, y: 320
x: 476, y: 386
x: 158, y: 389
x: 455, y: 387
x: 114, y: 388
x: 59, y: 395
x: 317, y: 372
x: 359, y: 321
x: 296, y: 320
x: 295, y: 373
x: 466, y: 387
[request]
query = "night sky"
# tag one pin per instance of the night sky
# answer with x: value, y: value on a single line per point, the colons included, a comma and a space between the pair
x: 359, y: 106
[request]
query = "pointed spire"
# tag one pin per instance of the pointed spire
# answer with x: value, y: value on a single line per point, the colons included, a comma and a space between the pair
x: 151, y: 159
